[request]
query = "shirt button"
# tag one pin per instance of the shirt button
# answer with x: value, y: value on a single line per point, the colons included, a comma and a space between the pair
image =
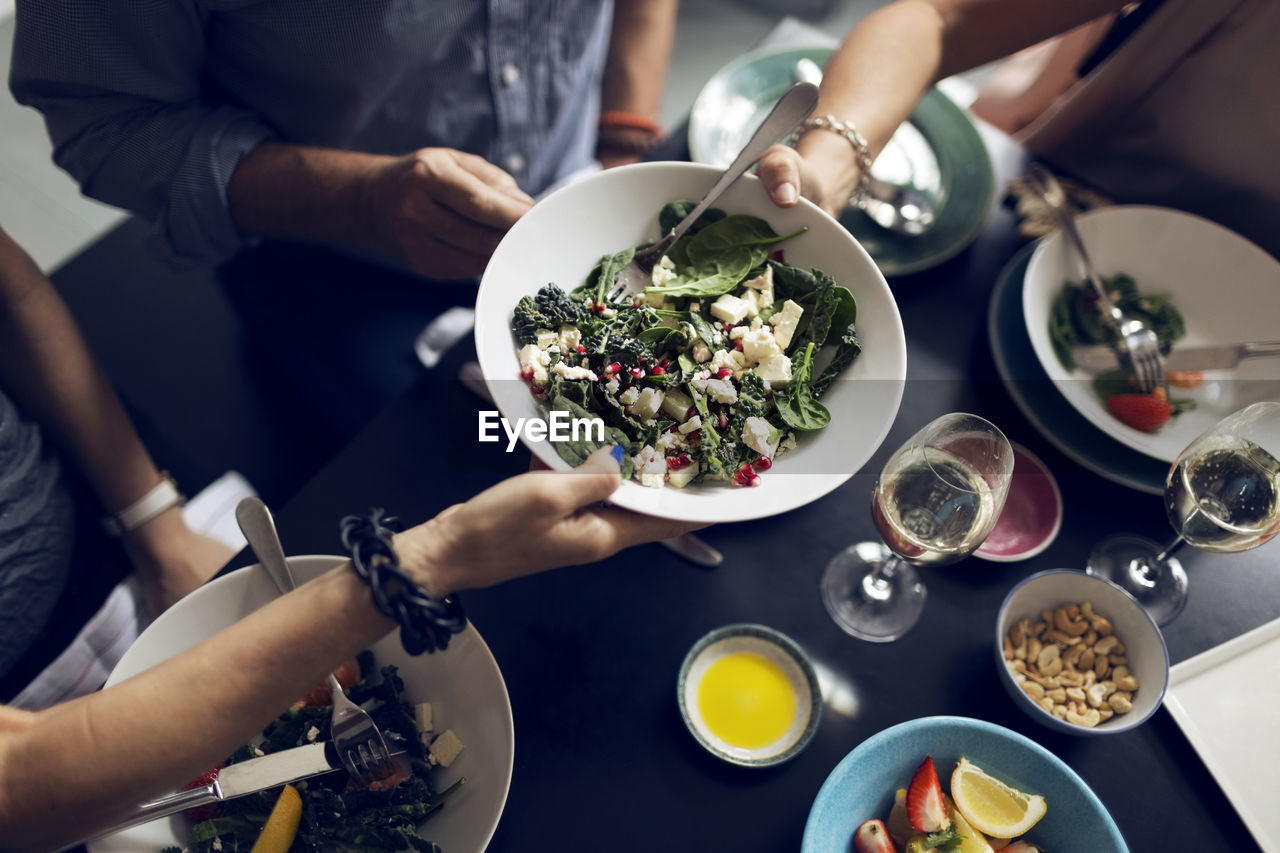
x: 515, y: 163
x: 510, y: 74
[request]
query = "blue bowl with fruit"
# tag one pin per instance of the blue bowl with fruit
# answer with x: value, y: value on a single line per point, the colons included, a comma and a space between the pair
x: 918, y: 781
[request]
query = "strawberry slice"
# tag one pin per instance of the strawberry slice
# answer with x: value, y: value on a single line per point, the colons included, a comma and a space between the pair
x: 926, y: 809
x: 873, y: 837
x: 200, y: 813
x: 1145, y: 412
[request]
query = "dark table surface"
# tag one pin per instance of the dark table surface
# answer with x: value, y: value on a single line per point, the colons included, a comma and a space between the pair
x: 590, y: 654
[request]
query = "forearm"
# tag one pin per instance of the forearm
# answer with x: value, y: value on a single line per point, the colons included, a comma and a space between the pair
x: 74, y: 768
x: 639, y: 53
x: 46, y: 365
x: 889, y: 60
x: 307, y: 194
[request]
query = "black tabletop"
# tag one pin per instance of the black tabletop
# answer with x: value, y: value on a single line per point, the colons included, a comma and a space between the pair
x: 590, y: 654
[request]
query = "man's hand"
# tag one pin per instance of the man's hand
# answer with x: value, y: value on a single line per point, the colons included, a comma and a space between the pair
x: 527, y: 524
x: 442, y: 212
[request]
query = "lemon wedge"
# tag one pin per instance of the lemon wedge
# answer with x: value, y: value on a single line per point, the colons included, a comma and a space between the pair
x: 282, y: 824
x: 991, y: 806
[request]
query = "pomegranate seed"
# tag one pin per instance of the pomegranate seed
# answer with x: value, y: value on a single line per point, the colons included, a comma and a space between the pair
x: 535, y: 391
x: 768, y: 395
x: 728, y: 327
x: 527, y: 374
x: 673, y: 427
x: 777, y: 256
x: 581, y: 349
x: 692, y: 410
x: 694, y: 436
x: 642, y: 360
x: 744, y: 474
x: 722, y: 420
x: 665, y: 363
x: 637, y: 372
x: 723, y: 372
x: 753, y: 480
x: 762, y: 464
x: 597, y: 307
x: 658, y: 371
x: 738, y: 344
x: 675, y: 463
x: 613, y: 368
x: 637, y: 302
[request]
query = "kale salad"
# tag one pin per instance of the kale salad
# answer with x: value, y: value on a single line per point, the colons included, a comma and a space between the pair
x: 339, y: 816
x: 711, y: 372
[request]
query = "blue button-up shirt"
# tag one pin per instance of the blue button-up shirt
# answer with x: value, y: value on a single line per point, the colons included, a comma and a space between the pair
x: 151, y: 104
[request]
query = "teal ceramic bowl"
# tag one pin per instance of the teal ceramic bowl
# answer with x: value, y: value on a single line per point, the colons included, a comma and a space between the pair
x: 862, y: 785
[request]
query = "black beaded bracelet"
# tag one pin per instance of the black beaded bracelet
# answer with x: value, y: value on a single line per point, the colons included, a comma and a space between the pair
x: 426, y: 623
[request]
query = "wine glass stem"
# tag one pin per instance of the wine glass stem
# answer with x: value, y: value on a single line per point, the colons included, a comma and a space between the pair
x: 1146, y: 571
x: 877, y: 584
x: 1171, y: 549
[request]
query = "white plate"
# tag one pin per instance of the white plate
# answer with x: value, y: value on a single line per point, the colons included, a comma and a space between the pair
x: 1227, y: 289
x: 563, y: 237
x: 1231, y: 728
x: 463, y: 684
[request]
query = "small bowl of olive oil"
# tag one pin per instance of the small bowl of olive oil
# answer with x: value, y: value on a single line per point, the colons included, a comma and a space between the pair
x: 749, y: 695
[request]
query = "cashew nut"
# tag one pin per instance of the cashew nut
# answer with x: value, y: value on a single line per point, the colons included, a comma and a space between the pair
x: 1089, y: 719
x: 1105, y: 645
x: 1120, y: 703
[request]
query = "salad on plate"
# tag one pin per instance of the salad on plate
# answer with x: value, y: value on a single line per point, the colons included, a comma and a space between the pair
x: 710, y: 373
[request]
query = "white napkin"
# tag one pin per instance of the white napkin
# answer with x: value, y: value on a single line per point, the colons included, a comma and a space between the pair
x: 84, y: 665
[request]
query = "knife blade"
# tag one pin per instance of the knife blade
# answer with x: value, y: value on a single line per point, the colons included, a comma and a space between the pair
x: 694, y: 550
x: 236, y: 780
x: 1099, y: 358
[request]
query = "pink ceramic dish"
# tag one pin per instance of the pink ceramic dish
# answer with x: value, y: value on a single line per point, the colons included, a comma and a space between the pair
x: 1032, y: 513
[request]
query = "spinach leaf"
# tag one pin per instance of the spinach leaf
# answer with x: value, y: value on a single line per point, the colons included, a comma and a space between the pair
x: 718, y: 274
x: 734, y: 232
x: 845, y: 353
x: 607, y: 271
x: 576, y: 452
x: 674, y: 212
x: 705, y: 330
x: 666, y: 338
x: 797, y: 405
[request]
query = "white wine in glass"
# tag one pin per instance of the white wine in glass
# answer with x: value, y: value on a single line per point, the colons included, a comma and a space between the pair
x: 1222, y: 494
x: 936, y: 500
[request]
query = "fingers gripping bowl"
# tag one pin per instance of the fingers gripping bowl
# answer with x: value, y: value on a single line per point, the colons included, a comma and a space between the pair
x: 565, y: 236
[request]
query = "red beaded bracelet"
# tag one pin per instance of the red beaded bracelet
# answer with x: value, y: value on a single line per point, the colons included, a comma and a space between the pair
x: 623, y: 118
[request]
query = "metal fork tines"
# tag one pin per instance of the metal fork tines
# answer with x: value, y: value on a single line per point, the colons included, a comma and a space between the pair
x: 1136, y: 345
x: 356, y: 738
x: 786, y: 115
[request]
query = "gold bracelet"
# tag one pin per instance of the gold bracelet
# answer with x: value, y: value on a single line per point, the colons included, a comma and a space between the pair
x: 860, y: 149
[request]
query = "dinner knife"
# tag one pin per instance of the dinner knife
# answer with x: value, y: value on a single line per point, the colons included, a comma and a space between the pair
x: 236, y: 780
x: 1100, y: 358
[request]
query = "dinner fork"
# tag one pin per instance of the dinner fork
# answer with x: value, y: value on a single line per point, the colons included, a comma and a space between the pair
x: 356, y: 738
x: 1136, y: 345
x: 792, y: 108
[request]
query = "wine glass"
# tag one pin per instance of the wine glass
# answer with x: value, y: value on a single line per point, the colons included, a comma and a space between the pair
x: 936, y: 500
x: 1222, y: 494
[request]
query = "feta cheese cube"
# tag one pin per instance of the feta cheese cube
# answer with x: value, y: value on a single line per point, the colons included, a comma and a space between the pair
x: 775, y: 370
x: 629, y: 396
x: 422, y: 720
x: 758, y: 434
x: 738, y: 332
x: 445, y: 748
x: 784, y: 323
x: 571, y: 372
x: 690, y: 425
x: 545, y: 338
x: 701, y: 352
x: 680, y: 477
x: 763, y: 285
x: 569, y: 338
x: 534, y: 359
x: 664, y: 272
x: 722, y: 391
x: 759, y: 344
x: 612, y: 385
x: 651, y: 467
x: 721, y: 360
x: 668, y: 442
x: 676, y: 405
x: 729, y: 309
x: 647, y: 404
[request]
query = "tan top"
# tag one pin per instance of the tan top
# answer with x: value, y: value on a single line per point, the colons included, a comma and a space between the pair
x: 1185, y: 114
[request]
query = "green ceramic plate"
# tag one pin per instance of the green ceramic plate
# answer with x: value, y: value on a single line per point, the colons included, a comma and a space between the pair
x: 938, y: 139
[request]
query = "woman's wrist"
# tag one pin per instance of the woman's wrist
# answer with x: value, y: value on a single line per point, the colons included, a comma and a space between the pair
x: 418, y: 551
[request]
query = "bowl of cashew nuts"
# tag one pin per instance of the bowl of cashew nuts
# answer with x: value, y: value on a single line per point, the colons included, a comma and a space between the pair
x: 1079, y: 654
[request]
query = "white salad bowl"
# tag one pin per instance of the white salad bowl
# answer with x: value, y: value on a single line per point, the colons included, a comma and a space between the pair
x: 1226, y: 288
x: 565, y: 235
x: 462, y: 683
